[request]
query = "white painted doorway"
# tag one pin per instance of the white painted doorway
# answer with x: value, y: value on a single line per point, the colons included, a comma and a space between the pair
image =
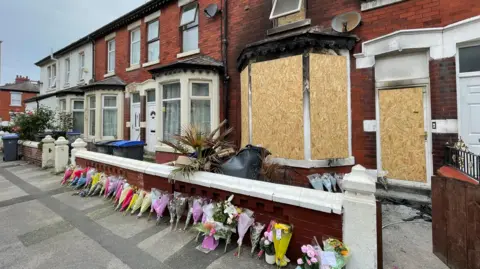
x: 135, y: 117
x: 468, y: 95
x: 151, y: 115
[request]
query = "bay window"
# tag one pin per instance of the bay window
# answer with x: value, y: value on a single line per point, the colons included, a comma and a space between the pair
x: 78, y: 115
x: 91, y: 112
x: 189, y: 27
x: 153, y: 42
x: 109, y: 117
x: 62, y: 105
x: 135, y: 47
x: 171, y: 97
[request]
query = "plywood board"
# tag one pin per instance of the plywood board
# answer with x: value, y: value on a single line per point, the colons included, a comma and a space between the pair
x: 244, y: 106
x: 277, y: 106
x: 292, y: 17
x: 402, y: 133
x: 328, y: 106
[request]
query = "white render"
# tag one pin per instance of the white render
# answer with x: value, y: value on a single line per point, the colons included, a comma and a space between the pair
x: 441, y: 42
x: 48, y: 152
x: 61, y: 154
x: 78, y: 146
x: 360, y: 219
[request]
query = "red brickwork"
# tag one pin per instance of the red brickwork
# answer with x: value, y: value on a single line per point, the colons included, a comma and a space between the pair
x: 165, y: 157
x: 31, y: 155
x: 443, y: 88
x: 307, y: 223
x: 5, y: 108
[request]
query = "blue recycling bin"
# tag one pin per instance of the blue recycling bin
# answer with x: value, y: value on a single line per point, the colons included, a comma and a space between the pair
x: 72, y: 136
x: 129, y: 149
x: 10, y: 147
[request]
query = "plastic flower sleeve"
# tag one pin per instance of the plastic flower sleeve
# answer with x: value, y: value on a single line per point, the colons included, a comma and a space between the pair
x: 160, y: 205
x: 282, y: 233
x: 171, y: 209
x: 180, y: 207
x: 197, y: 210
x: 255, y: 235
x: 189, y: 211
x: 138, y: 202
x: 245, y: 220
x: 147, y: 202
x: 340, y: 250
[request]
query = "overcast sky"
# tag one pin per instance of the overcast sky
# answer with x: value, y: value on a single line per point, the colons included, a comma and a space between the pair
x: 30, y: 29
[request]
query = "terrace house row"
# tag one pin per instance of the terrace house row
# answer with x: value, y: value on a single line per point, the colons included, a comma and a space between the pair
x: 387, y: 95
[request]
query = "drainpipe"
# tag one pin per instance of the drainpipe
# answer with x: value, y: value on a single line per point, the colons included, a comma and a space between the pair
x: 93, y: 57
x: 226, y: 78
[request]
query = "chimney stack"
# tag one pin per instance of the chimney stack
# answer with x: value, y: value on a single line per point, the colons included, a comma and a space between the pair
x: 21, y: 79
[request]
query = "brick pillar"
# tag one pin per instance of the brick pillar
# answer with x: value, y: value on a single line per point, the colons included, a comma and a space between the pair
x: 143, y: 118
x: 126, y: 116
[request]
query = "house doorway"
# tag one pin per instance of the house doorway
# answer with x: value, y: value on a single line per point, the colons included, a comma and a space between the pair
x: 135, y: 117
x: 151, y: 114
x: 468, y: 94
x: 402, y: 133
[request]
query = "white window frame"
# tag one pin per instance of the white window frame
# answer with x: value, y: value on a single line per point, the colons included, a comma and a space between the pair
x: 139, y: 48
x: 15, y: 102
x: 162, y: 101
x: 191, y: 97
x: 90, y: 109
x: 153, y: 40
x: 73, y: 109
x: 109, y: 108
x: 60, y: 102
x: 52, y: 76
x: 81, y: 66
x: 67, y: 72
x: 190, y: 25
x: 111, y: 53
x: 300, y: 2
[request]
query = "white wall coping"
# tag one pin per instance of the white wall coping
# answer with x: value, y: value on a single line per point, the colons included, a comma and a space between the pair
x: 315, y: 163
x: 31, y: 144
x: 296, y: 196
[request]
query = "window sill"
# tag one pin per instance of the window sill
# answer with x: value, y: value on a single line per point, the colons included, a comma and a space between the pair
x: 378, y: 3
x: 107, y: 75
x: 16, y: 105
x: 314, y: 163
x: 81, y: 82
x: 133, y: 67
x: 188, y: 53
x: 151, y: 63
x: 66, y: 85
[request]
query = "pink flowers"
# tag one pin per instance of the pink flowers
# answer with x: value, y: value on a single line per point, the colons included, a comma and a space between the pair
x: 304, y: 249
x: 299, y: 261
x: 309, y: 259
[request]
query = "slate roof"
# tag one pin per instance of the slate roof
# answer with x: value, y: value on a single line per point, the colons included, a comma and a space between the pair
x: 108, y: 83
x: 296, y: 42
x: 72, y: 90
x: 195, y: 62
x: 21, y: 87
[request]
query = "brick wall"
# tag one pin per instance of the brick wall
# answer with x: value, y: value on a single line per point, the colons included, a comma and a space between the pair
x: 5, y: 107
x: 165, y: 157
x: 443, y: 87
x: 307, y: 223
x: 31, y: 155
x: 170, y: 43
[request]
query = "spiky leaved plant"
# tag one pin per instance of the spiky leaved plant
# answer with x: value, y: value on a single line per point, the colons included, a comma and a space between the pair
x: 205, y: 150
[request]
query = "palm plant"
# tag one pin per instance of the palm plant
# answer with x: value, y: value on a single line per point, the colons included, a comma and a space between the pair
x: 206, y: 151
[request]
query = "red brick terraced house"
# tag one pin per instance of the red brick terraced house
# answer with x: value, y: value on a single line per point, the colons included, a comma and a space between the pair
x: 387, y: 95
x: 12, y: 96
x: 408, y: 83
x: 157, y: 69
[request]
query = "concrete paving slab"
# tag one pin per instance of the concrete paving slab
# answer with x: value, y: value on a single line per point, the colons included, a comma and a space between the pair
x: 244, y: 261
x: 102, y: 211
x: 78, y: 202
x: 407, y: 245
x: 9, y: 191
x: 47, y: 183
x: 35, y: 175
x: 45, y: 233
x: 12, y: 164
x: 124, y: 226
x: 69, y: 250
x: 166, y: 243
x: 19, y: 170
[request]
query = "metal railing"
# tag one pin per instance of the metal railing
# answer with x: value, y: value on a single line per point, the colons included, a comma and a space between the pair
x: 467, y: 162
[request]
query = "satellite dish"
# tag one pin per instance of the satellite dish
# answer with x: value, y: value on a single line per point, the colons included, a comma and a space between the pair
x: 346, y: 22
x: 211, y: 10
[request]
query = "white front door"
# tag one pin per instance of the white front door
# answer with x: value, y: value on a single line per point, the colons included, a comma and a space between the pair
x: 151, y: 115
x: 469, y: 96
x: 135, y: 117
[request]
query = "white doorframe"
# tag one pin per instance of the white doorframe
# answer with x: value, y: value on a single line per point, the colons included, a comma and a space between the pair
x: 415, y: 83
x: 134, y: 107
x: 151, y: 142
x: 458, y: 76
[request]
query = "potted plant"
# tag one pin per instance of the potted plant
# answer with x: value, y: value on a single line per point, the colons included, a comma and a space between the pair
x: 267, y: 247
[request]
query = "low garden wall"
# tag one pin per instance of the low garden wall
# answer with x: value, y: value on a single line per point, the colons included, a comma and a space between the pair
x: 30, y: 152
x: 349, y: 216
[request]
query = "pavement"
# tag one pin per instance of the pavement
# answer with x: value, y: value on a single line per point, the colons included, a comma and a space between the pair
x: 407, y: 244
x: 44, y: 226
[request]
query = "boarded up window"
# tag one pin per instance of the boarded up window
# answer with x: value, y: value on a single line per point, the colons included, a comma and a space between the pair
x: 328, y: 106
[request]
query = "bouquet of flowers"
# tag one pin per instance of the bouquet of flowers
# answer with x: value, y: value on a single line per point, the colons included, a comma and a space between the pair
x: 282, y: 233
x: 255, y: 233
x: 160, y: 204
x: 310, y: 258
x: 138, y: 202
x: 180, y: 207
x: 267, y: 247
x: 245, y: 220
x: 147, y: 202
x: 337, y: 249
x: 194, y: 210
